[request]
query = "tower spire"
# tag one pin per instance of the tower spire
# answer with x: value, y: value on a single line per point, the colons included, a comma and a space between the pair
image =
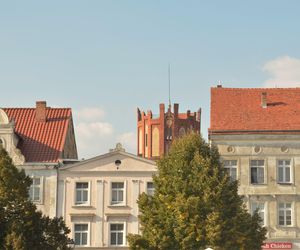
x: 169, y: 73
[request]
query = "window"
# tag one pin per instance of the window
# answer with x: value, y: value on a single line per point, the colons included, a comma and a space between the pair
x: 231, y: 169
x: 1, y: 144
x: 117, y: 193
x: 35, y: 189
x: 284, y: 171
x: 285, y: 214
x: 150, y: 188
x: 117, y: 234
x: 82, y: 191
x: 260, y: 208
x: 146, y: 140
x: 257, y: 171
x: 81, y: 234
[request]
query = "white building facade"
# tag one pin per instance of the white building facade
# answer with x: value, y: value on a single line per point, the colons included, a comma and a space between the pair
x: 98, y: 198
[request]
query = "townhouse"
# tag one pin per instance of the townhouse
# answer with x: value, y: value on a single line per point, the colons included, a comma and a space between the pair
x: 257, y: 132
x: 39, y: 140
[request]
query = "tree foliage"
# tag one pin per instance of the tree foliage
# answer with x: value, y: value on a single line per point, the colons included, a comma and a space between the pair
x: 195, y: 205
x: 22, y: 227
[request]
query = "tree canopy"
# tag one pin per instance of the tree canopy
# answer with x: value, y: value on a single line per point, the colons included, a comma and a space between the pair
x: 22, y: 227
x: 195, y: 204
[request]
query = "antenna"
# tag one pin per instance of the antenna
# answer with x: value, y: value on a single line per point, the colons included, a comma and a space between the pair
x: 169, y: 71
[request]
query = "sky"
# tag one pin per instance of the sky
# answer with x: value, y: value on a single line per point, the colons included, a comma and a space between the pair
x: 106, y: 58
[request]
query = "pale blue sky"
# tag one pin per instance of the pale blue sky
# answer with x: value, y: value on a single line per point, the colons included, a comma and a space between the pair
x: 105, y: 58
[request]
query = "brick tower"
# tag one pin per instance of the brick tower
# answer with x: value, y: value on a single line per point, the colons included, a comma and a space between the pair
x: 156, y: 133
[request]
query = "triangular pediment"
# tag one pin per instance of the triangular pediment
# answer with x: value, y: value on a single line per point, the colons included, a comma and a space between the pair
x: 114, y: 161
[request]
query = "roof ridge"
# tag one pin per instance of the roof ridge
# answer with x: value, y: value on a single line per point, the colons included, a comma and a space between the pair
x: 32, y: 108
x: 290, y: 88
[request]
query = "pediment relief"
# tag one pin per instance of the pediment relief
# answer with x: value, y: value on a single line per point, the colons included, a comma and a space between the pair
x: 113, y: 162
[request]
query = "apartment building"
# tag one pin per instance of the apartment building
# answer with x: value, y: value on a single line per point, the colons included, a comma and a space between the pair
x: 257, y: 132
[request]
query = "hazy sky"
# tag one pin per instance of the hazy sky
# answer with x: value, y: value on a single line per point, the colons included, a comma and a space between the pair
x: 106, y: 58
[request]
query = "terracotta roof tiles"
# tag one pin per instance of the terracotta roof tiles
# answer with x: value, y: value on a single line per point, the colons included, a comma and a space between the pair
x: 40, y: 141
x: 237, y: 109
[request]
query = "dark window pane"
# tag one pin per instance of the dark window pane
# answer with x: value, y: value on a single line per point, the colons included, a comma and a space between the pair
x: 120, y: 238
x: 77, y: 238
x: 113, y: 239
x: 84, y: 239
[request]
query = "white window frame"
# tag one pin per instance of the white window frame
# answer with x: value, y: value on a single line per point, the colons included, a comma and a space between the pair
x: 124, y: 233
x: 284, y: 210
x: 41, y: 193
x: 230, y: 167
x: 88, y: 232
x: 88, y: 203
x: 152, y: 189
x: 264, y: 168
x: 124, y: 203
x: 284, y: 167
x: 264, y: 211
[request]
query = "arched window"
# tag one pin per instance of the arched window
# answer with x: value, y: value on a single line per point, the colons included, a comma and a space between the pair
x: 1, y: 144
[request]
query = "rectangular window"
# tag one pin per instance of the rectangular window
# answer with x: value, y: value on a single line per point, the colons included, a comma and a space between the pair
x: 285, y: 214
x: 257, y: 171
x: 150, y: 188
x: 260, y: 208
x: 117, y: 234
x: 231, y: 168
x: 117, y: 193
x: 146, y: 140
x: 284, y: 171
x: 35, y: 189
x: 81, y: 234
x: 82, y: 192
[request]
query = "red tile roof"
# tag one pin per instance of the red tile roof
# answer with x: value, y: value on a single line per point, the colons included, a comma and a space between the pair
x: 236, y: 109
x: 40, y: 141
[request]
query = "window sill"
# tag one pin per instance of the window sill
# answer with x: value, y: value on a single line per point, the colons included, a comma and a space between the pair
x: 286, y: 227
x: 259, y: 184
x: 117, y: 205
x: 81, y: 206
x: 37, y: 202
x: 285, y: 183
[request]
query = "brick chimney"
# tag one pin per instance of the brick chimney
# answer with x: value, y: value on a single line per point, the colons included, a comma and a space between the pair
x: 40, y: 111
x: 264, y: 99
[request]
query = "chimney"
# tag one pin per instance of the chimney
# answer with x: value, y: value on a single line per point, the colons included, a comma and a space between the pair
x: 264, y: 99
x: 40, y: 111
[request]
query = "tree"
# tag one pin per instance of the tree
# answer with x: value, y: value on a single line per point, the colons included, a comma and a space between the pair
x: 22, y: 227
x: 195, y: 204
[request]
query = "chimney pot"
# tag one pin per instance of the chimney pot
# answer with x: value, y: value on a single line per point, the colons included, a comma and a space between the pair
x: 40, y: 111
x: 264, y: 99
x: 219, y: 86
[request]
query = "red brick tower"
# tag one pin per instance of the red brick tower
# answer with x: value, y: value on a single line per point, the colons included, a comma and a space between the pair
x: 156, y: 133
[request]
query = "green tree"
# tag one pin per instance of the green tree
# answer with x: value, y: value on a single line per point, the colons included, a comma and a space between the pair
x: 195, y: 205
x: 21, y: 225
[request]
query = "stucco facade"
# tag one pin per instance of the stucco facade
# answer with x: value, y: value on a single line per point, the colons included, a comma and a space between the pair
x: 97, y: 198
x: 271, y: 149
